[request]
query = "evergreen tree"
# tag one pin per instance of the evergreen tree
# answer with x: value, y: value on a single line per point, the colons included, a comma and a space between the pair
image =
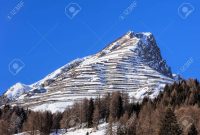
x: 119, y: 107
x: 193, y: 130
x: 90, y: 113
x: 169, y: 125
x: 56, y: 121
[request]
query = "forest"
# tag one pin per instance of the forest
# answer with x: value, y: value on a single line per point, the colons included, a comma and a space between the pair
x: 175, y: 111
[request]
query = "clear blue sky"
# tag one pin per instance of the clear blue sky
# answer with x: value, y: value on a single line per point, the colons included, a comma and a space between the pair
x: 41, y: 34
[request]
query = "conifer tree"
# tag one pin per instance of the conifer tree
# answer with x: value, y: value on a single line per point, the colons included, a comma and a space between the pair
x: 56, y: 121
x: 169, y: 125
x: 119, y: 107
x: 90, y: 113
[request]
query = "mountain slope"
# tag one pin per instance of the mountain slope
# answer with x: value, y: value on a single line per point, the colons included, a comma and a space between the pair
x: 132, y: 63
x: 17, y: 90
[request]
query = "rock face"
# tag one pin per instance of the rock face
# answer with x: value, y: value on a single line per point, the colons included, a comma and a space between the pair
x: 133, y: 63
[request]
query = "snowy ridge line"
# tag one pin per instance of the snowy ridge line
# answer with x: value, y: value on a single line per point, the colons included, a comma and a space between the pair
x: 132, y: 64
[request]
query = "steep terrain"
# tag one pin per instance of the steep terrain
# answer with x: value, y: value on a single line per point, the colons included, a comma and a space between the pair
x: 133, y: 63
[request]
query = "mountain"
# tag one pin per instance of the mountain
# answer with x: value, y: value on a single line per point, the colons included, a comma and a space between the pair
x: 132, y: 63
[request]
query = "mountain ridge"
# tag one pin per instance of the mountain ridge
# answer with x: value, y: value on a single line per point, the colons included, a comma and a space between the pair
x: 113, y: 68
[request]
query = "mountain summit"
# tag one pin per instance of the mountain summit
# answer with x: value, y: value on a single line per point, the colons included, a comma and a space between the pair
x: 132, y: 63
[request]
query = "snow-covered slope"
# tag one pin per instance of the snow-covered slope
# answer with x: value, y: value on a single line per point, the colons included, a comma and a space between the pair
x: 82, y: 131
x: 51, y: 77
x: 17, y: 90
x: 132, y: 63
